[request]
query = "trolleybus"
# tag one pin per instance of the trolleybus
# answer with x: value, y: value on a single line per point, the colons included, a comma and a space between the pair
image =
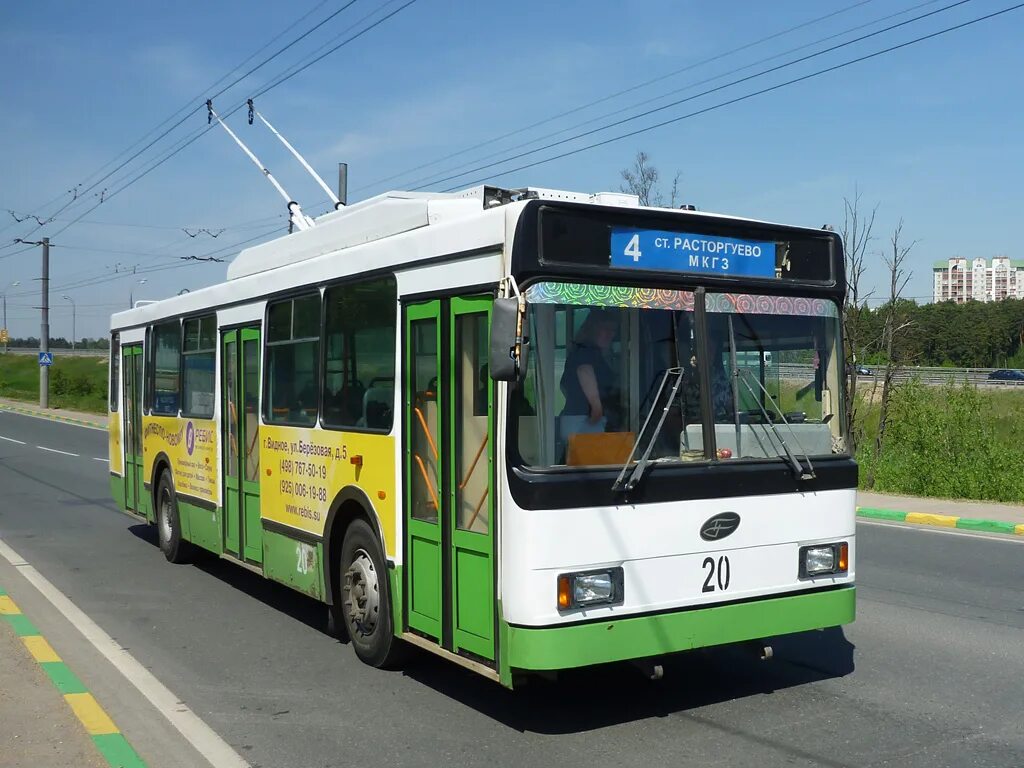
x: 526, y: 430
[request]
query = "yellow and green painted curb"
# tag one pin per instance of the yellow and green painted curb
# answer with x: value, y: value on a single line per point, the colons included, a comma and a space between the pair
x: 52, y: 416
x: 945, y: 521
x: 104, y: 733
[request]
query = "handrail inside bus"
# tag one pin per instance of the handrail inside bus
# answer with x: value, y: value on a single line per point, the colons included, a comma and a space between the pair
x: 472, y: 467
x: 426, y: 479
x: 479, y: 506
x: 426, y: 429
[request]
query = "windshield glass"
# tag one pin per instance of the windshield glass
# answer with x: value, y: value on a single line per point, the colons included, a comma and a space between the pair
x: 599, y: 355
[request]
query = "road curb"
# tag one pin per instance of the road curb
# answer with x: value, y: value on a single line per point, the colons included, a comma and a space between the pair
x: 944, y: 521
x: 105, y: 734
x: 52, y: 417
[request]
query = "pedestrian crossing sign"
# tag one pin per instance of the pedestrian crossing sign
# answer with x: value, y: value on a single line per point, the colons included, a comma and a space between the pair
x: 46, y: 358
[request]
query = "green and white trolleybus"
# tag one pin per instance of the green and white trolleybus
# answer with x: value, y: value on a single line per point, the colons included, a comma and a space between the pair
x: 526, y: 430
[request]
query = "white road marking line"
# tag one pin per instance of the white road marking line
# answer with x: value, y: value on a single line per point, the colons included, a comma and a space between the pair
x: 201, y: 736
x: 12, y: 440
x: 97, y: 458
x: 1003, y: 537
x: 54, y: 450
x: 53, y: 421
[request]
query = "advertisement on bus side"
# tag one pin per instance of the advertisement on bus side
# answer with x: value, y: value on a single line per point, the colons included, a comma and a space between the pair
x: 302, y: 471
x: 191, y: 447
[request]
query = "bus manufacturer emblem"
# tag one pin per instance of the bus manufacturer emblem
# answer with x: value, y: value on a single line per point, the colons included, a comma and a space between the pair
x: 719, y: 526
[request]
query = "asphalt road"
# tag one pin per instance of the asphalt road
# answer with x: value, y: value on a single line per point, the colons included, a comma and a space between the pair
x: 930, y: 674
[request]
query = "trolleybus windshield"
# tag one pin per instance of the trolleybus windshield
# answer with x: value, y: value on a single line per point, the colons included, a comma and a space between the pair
x: 599, y: 353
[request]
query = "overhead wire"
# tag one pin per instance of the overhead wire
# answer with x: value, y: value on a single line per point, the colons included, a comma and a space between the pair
x: 198, y: 107
x: 751, y: 95
x: 689, y: 86
x: 196, y: 135
x: 706, y: 92
x: 616, y: 94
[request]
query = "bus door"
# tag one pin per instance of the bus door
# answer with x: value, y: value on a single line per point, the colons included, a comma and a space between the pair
x: 131, y: 368
x: 240, y: 386
x: 449, y: 447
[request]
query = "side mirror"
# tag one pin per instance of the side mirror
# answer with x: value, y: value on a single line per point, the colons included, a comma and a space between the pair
x: 507, y: 349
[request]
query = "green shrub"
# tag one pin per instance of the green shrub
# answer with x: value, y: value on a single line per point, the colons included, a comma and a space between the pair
x: 950, y: 442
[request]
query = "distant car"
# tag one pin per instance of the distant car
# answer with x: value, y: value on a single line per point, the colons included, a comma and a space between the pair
x: 1006, y: 374
x: 863, y: 371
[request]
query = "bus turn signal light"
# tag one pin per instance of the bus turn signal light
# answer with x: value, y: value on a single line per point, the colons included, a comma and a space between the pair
x: 844, y: 557
x: 564, y: 592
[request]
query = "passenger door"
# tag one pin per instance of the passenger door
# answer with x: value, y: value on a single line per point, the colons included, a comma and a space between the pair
x: 449, y: 501
x: 240, y: 366
x: 131, y: 368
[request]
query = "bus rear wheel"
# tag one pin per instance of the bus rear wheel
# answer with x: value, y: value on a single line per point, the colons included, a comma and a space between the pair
x: 168, y: 522
x: 365, y: 598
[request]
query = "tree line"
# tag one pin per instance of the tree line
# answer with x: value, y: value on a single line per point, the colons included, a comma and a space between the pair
x: 59, y: 342
x: 971, y: 335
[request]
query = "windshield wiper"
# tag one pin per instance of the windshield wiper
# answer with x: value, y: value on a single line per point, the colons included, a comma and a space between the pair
x: 798, y: 469
x: 641, y: 465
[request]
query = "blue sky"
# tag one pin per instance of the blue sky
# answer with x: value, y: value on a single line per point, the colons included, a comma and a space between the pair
x: 932, y: 133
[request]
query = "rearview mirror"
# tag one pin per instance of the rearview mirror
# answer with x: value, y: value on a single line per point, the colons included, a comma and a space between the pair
x: 507, y: 351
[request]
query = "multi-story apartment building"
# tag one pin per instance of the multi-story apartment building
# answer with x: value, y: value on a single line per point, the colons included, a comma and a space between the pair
x: 959, y: 279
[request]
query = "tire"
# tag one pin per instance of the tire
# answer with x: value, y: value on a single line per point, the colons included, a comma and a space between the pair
x: 364, y: 596
x: 168, y: 523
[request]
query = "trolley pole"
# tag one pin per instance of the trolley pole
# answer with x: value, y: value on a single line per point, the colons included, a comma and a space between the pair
x: 44, y: 329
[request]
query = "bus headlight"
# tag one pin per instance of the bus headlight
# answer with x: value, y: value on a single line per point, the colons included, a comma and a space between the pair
x: 578, y: 590
x: 823, y: 559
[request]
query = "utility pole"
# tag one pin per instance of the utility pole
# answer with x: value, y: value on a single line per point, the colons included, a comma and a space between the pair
x: 7, y: 337
x: 44, y: 330
x: 74, y: 311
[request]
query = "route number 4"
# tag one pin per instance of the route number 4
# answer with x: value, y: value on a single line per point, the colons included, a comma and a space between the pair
x: 633, y: 248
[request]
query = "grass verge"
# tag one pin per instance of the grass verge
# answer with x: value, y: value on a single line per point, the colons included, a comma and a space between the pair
x: 76, y: 383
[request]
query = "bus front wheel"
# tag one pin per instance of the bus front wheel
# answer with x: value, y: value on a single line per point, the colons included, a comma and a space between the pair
x: 365, y: 598
x: 168, y: 523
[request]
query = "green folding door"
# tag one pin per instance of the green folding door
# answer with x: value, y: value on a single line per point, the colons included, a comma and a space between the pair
x: 240, y: 377
x: 449, y: 501
x: 131, y: 368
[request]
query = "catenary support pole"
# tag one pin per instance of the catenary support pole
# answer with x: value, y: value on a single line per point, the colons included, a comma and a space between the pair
x: 44, y: 328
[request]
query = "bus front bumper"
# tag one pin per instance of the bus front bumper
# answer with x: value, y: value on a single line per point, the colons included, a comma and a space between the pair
x: 579, y: 645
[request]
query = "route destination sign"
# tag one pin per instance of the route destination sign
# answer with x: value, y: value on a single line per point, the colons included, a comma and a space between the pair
x: 658, y: 250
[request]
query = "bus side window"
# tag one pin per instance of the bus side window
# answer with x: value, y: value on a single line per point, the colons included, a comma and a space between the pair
x: 166, y: 368
x: 293, y: 354
x: 359, y: 370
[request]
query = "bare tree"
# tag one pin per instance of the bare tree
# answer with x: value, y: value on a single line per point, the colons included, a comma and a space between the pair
x: 857, y: 234
x: 894, y: 324
x: 642, y: 180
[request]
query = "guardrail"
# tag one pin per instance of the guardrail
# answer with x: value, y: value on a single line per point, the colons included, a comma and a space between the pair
x: 927, y: 375
x: 56, y: 352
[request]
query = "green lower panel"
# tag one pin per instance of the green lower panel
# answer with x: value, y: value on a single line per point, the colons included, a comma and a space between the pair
x: 145, y: 501
x: 618, y: 640
x: 117, y: 490
x: 425, y: 586
x: 474, y: 606
x: 203, y: 526
x: 395, y: 576
x: 295, y: 563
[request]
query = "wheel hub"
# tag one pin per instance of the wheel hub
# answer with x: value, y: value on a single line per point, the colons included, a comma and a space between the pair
x: 165, y: 515
x: 362, y: 594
